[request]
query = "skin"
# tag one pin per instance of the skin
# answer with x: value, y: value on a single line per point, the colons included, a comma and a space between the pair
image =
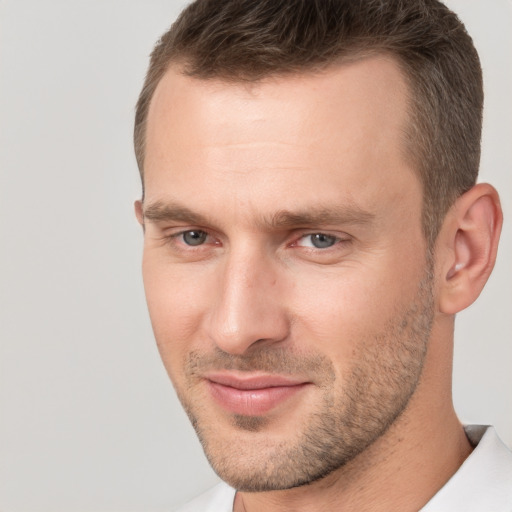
x: 366, y: 324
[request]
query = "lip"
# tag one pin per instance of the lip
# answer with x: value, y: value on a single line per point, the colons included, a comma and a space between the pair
x: 252, y: 394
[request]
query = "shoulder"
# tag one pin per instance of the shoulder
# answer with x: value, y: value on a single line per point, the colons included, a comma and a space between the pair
x: 218, y: 499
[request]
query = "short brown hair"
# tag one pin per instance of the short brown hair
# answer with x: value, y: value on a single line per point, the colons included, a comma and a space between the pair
x: 247, y: 40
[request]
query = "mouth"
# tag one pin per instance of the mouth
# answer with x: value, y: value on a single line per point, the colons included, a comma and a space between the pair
x: 252, y: 394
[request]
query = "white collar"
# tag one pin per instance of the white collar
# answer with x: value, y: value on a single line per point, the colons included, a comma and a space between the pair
x: 484, y: 481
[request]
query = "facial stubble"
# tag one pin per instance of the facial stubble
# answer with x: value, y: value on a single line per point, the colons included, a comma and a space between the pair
x: 350, y: 415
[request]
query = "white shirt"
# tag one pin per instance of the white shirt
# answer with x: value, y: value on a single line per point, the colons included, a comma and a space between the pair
x: 482, y: 484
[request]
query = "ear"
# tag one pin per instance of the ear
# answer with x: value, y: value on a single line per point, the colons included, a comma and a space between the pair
x: 138, y: 212
x: 467, y: 247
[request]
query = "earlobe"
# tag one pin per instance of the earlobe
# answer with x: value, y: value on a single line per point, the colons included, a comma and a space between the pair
x: 470, y: 233
x: 139, y: 212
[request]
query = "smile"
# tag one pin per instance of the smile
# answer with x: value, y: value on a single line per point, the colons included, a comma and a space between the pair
x: 252, y: 395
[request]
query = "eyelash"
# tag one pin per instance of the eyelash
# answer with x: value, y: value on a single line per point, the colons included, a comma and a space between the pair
x: 175, y: 237
x: 335, y: 241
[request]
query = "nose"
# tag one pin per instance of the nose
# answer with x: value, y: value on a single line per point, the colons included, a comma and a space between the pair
x: 249, y: 308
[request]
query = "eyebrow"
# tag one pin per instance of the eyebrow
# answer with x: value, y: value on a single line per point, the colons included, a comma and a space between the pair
x: 282, y: 219
x: 160, y: 212
x: 337, y: 215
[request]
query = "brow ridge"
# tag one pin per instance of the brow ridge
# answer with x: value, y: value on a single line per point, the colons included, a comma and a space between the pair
x: 282, y: 219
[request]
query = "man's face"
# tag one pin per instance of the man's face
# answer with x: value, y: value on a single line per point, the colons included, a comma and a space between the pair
x: 284, y: 265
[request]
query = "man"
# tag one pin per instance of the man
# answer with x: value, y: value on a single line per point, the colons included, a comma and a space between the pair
x: 312, y: 226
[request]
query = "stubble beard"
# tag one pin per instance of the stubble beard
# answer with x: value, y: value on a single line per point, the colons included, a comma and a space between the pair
x: 351, y: 415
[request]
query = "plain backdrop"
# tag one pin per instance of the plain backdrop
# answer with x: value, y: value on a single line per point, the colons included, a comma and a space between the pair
x: 88, y: 419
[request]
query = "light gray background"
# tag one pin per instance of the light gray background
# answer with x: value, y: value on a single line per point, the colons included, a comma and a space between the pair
x: 88, y: 419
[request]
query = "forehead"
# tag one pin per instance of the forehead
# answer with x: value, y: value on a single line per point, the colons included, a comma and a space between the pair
x: 373, y: 88
x: 339, y: 131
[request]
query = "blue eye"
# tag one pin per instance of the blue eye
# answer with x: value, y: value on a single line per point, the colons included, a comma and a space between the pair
x: 318, y: 241
x: 194, y: 237
x: 322, y: 241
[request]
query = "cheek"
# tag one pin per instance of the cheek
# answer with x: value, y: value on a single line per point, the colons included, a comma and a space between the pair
x: 176, y: 301
x: 338, y: 311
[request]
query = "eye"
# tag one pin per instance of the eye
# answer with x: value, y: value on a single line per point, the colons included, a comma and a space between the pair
x: 194, y: 237
x: 318, y: 241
